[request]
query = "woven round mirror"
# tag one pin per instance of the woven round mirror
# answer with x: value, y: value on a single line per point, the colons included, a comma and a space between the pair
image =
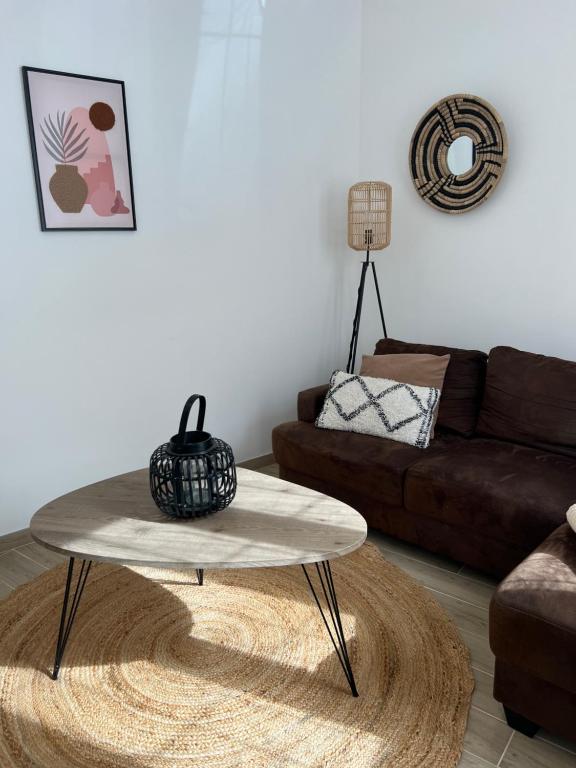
x: 458, y: 153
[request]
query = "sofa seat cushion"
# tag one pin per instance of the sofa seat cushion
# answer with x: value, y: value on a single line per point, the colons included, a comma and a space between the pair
x: 510, y: 492
x: 373, y: 467
x: 533, y: 612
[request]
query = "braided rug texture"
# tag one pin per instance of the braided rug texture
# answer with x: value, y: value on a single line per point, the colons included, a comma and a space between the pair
x: 162, y: 673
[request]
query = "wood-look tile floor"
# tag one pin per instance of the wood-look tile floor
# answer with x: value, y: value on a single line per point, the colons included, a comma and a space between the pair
x: 464, y: 594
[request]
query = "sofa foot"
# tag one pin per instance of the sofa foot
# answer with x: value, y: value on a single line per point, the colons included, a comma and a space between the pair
x: 520, y: 723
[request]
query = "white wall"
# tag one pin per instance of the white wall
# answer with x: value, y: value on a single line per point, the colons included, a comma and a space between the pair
x: 246, y: 133
x: 244, y: 127
x: 504, y: 273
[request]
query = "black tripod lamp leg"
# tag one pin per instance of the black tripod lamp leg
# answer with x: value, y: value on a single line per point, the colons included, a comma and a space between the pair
x: 350, y: 364
x: 356, y: 322
x: 200, y: 576
x: 379, y: 300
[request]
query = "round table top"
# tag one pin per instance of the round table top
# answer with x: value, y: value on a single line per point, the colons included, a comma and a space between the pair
x: 271, y: 522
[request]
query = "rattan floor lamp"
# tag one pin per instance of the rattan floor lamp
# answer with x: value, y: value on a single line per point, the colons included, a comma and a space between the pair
x: 369, y: 217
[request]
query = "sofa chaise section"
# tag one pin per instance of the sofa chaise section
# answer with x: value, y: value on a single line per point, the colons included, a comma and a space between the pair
x: 533, y: 636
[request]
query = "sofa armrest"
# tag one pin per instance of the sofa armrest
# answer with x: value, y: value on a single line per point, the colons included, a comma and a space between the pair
x: 310, y: 402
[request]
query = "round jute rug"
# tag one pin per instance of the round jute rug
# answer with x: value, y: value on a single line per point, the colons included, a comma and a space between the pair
x: 162, y: 673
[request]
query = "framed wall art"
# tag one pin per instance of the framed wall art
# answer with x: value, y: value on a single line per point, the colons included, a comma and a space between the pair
x: 80, y: 150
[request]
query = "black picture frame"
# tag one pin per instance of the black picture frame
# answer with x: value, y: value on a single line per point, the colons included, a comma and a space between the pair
x: 45, y: 224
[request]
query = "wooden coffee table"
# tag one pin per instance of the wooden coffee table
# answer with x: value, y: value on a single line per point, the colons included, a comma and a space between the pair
x: 270, y: 523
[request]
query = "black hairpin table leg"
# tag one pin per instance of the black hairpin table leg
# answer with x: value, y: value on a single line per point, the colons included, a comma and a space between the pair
x: 335, y: 631
x: 200, y: 575
x: 69, y: 609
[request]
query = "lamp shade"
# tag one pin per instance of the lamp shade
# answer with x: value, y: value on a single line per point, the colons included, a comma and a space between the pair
x: 369, y: 215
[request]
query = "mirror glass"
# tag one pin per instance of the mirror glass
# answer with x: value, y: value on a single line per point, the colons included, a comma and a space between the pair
x: 461, y: 155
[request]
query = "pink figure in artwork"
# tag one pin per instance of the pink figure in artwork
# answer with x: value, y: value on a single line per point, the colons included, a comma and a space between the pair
x: 96, y: 165
x: 119, y: 205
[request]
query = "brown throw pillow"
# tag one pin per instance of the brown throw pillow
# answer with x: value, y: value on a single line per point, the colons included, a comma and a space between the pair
x: 463, y: 384
x: 421, y: 370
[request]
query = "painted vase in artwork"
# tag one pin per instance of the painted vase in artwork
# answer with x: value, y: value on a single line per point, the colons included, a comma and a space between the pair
x: 68, y: 188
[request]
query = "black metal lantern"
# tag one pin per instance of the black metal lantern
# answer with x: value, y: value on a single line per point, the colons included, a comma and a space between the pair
x: 194, y: 474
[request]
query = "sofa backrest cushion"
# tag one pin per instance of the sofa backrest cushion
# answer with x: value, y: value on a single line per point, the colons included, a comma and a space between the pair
x: 530, y: 399
x: 463, y: 384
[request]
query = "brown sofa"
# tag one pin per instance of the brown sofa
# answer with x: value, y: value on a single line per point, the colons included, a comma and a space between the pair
x: 495, y: 482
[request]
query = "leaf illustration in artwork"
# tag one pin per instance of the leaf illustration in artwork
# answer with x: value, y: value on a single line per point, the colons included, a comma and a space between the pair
x: 65, y: 129
x: 50, y: 141
x: 52, y: 154
x: 79, y: 152
x: 76, y: 158
x: 61, y: 140
x: 71, y: 142
x: 70, y: 133
x: 56, y: 133
x: 52, y: 133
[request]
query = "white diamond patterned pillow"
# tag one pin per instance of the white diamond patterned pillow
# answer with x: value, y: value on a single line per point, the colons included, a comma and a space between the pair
x: 571, y: 517
x: 380, y: 407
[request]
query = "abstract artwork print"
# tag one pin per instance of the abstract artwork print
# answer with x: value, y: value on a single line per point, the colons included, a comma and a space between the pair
x: 80, y: 149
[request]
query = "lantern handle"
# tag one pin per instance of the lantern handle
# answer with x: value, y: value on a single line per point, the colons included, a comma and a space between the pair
x: 186, y: 412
